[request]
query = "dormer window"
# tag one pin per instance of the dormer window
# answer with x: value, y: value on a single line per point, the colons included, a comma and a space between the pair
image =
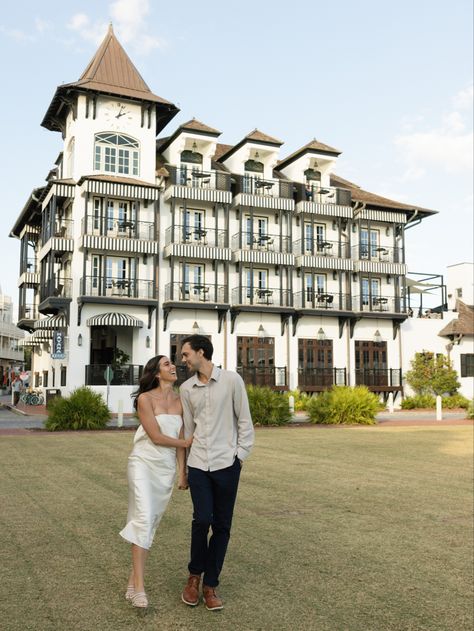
x: 312, y: 175
x: 254, y: 166
x: 116, y: 153
x: 192, y: 157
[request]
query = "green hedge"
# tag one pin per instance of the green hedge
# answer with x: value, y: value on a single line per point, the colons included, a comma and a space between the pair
x: 455, y: 401
x: 344, y: 405
x: 83, y: 409
x: 429, y: 401
x: 267, y: 406
x: 301, y: 399
x: 470, y: 410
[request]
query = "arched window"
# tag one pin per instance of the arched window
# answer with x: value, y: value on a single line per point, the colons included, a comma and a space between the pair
x: 254, y: 166
x: 312, y: 175
x: 193, y: 157
x: 116, y: 153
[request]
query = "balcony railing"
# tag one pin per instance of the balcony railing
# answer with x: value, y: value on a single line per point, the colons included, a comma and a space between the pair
x: 124, y: 375
x: 321, y: 247
x: 265, y: 187
x: 195, y: 235
x: 30, y: 266
x: 379, y: 253
x: 260, y: 241
x: 112, y: 227
x: 323, y: 194
x: 378, y: 304
x: 117, y: 287
x: 313, y: 299
x: 193, y: 176
x: 62, y: 229
x: 28, y: 312
x: 271, y: 376
x: 379, y: 377
x: 268, y: 296
x: 321, y: 378
x: 195, y: 292
x: 56, y: 288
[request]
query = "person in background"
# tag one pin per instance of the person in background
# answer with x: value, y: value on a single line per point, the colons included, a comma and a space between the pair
x: 16, y: 389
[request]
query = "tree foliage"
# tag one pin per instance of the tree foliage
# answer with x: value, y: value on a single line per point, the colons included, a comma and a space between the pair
x: 432, y: 374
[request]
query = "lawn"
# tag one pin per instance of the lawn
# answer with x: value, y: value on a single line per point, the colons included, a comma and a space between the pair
x: 336, y: 529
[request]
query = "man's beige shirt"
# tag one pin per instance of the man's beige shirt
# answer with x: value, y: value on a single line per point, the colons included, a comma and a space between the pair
x: 218, y: 414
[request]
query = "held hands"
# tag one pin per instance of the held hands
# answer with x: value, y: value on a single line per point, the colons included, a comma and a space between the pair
x: 183, y: 482
x: 188, y: 442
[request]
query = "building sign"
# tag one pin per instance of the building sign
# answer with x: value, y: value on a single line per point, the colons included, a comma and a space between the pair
x: 58, y: 345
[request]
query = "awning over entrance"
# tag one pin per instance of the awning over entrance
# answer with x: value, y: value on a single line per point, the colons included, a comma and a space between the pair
x: 114, y: 319
x: 51, y: 322
x: 36, y: 338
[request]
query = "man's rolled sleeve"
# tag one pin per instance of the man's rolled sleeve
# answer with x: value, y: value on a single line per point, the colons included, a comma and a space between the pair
x: 245, y: 430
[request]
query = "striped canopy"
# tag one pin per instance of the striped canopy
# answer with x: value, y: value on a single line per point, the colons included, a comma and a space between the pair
x: 51, y: 322
x: 114, y: 319
x: 36, y: 338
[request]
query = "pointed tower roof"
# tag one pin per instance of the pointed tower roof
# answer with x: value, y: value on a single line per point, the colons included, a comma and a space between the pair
x: 110, y: 71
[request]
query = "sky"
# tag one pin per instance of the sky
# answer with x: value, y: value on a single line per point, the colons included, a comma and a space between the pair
x: 390, y: 84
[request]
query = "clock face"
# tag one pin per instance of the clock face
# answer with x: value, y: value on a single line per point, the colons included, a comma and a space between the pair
x: 118, y: 115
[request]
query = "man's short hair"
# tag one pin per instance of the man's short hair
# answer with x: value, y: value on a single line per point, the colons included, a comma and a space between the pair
x: 197, y: 342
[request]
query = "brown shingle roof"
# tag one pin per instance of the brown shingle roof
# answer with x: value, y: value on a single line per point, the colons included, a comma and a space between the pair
x: 195, y: 125
x: 110, y: 71
x: 221, y: 149
x: 463, y: 324
x: 313, y: 146
x: 117, y: 180
x: 259, y: 136
x: 253, y: 136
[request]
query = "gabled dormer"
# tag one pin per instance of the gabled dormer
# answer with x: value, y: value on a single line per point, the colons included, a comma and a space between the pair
x: 256, y: 154
x: 193, y: 143
x: 312, y: 164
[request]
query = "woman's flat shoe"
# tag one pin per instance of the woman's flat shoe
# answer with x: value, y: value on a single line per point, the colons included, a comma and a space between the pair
x: 130, y: 592
x: 139, y: 599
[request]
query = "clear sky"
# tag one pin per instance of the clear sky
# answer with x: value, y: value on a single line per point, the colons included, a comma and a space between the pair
x: 387, y: 83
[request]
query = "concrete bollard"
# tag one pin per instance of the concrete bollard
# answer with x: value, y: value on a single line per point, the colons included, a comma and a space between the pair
x: 120, y: 413
x: 390, y: 403
x: 291, y: 403
x: 439, y: 409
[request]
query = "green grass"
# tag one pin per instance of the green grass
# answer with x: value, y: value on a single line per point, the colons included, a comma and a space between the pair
x: 336, y: 529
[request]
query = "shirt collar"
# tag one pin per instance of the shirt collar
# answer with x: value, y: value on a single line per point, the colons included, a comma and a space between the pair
x: 216, y: 373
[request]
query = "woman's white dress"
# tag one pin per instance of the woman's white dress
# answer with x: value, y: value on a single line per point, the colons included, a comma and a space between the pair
x: 151, y: 475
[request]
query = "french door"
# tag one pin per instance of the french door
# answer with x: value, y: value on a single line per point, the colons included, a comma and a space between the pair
x: 256, y: 360
x: 371, y: 363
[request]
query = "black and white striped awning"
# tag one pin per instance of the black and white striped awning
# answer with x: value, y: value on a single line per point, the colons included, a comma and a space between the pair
x: 114, y: 319
x: 51, y: 322
x: 36, y: 339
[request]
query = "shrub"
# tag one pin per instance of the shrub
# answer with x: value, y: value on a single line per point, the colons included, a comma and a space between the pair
x: 83, y: 409
x: 470, y: 409
x: 343, y: 404
x: 267, y: 406
x: 455, y: 401
x: 419, y: 401
x: 432, y: 374
x: 301, y: 399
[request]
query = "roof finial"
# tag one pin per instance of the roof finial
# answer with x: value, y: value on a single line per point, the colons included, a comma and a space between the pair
x: 111, y: 29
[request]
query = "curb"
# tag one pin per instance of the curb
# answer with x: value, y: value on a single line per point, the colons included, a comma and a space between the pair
x: 12, y: 408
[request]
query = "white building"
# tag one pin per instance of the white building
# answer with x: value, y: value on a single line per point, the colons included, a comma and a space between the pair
x: 11, y: 353
x: 297, y: 275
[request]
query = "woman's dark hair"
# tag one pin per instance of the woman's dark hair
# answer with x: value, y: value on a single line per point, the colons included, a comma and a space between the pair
x: 149, y: 379
x: 197, y: 342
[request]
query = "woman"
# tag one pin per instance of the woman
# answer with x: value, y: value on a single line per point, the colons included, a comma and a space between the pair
x: 158, y: 444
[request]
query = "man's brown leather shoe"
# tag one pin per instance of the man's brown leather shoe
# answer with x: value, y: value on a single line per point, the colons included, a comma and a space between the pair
x: 190, y: 594
x: 212, y: 600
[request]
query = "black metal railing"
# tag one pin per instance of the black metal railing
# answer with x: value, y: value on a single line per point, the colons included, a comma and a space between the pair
x: 260, y: 241
x: 113, y: 227
x: 328, y: 301
x: 321, y: 247
x: 323, y: 194
x: 265, y: 187
x: 28, y: 312
x: 118, y: 287
x: 195, y: 235
x: 270, y: 296
x: 29, y: 265
x: 195, y: 292
x: 56, y: 288
x: 379, y: 377
x: 195, y: 177
x: 124, y: 375
x: 61, y: 228
x: 379, y: 253
x: 271, y: 376
x: 321, y: 378
x: 378, y: 304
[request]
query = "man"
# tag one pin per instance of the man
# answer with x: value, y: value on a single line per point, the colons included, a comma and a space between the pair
x: 16, y: 387
x: 216, y: 411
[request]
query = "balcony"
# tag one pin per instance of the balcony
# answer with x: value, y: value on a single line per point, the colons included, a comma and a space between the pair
x: 379, y: 379
x: 118, y: 228
x: 322, y: 300
x: 29, y: 273
x: 323, y: 200
x: 271, y: 376
x: 124, y: 375
x: 54, y: 295
x: 195, y: 293
x: 57, y: 237
x: 115, y: 288
x: 190, y: 182
x: 258, y: 192
x: 378, y: 304
x: 262, y: 248
x: 319, y: 379
x: 378, y: 259
x: 187, y: 241
x: 321, y: 247
x: 262, y: 296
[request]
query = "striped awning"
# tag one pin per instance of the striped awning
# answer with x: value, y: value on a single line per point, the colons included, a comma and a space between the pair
x: 36, y: 338
x: 51, y: 322
x: 114, y: 319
